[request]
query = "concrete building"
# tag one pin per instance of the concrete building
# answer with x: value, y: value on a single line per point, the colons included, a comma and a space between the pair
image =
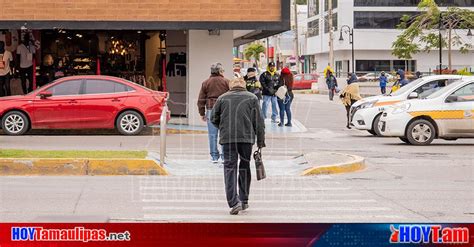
x: 167, y: 45
x: 374, y: 23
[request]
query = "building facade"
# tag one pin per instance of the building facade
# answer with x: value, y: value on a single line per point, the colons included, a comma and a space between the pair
x: 374, y: 23
x: 161, y: 44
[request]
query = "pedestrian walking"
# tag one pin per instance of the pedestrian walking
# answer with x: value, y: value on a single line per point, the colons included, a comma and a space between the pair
x: 270, y: 82
x: 252, y: 83
x: 6, y: 60
x: 331, y: 82
x: 418, y: 75
x: 238, y: 117
x: 211, y: 89
x: 383, y: 82
x: 286, y: 79
x: 349, y: 96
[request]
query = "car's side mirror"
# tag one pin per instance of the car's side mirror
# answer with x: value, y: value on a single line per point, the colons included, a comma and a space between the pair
x: 45, y: 94
x: 451, y: 98
x: 413, y: 95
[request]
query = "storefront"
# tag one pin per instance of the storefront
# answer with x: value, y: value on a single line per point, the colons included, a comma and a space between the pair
x: 161, y: 45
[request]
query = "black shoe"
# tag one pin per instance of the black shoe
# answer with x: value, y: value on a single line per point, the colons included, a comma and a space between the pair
x: 289, y: 125
x: 348, y: 126
x: 236, y: 209
x: 280, y: 124
x: 245, y: 206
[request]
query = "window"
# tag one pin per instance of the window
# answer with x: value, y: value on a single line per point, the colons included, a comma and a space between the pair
x: 104, y: 86
x: 72, y: 87
x: 378, y: 19
x: 412, y: 3
x: 308, y: 77
x: 297, y: 78
x: 407, y: 65
x: 334, y: 23
x: 313, y: 8
x: 465, y: 93
x: 313, y: 28
x: 430, y: 87
x: 372, y: 65
x: 326, y: 4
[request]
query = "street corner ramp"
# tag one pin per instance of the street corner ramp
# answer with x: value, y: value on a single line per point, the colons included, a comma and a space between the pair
x: 80, y: 167
x: 332, y: 163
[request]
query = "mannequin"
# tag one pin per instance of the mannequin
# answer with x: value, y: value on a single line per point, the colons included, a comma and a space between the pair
x: 6, y: 64
x: 25, y: 54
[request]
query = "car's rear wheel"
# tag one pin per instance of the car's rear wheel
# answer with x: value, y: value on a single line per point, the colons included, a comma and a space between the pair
x: 15, y: 123
x: 375, y: 125
x: 130, y: 123
x: 421, y: 132
x: 372, y: 132
x: 405, y: 140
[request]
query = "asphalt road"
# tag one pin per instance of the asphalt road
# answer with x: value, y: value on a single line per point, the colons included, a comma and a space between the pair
x: 402, y: 183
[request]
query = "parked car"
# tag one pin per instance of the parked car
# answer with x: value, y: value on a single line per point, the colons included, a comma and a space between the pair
x: 304, y: 81
x: 447, y: 114
x: 366, y: 113
x: 83, y: 102
x: 373, y: 77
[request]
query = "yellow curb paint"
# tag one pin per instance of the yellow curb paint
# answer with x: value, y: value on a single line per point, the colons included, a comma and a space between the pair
x: 79, y: 167
x: 356, y: 164
x: 124, y: 167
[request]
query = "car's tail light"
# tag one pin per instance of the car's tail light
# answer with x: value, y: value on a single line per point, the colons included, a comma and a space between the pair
x: 160, y: 97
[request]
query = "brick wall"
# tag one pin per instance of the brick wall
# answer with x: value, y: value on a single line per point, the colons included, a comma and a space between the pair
x: 141, y: 10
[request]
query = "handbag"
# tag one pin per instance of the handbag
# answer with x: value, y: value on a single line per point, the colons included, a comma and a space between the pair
x: 260, y: 169
x: 281, y: 92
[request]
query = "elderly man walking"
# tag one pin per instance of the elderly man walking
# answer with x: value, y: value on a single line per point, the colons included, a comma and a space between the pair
x: 211, y: 89
x: 238, y: 116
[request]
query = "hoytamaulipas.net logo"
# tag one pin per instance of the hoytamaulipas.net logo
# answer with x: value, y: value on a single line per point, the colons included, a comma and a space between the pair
x: 80, y: 234
x: 434, y: 234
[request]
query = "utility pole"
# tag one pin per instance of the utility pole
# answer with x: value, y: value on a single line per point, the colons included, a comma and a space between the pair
x: 331, y: 43
x: 297, y: 43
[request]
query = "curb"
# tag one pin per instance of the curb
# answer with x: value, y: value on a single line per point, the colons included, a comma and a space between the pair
x: 80, y: 167
x: 356, y: 163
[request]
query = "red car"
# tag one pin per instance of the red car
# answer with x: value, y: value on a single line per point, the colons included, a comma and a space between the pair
x: 83, y: 102
x: 304, y: 81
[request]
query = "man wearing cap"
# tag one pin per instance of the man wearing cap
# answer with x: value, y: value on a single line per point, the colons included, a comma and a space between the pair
x: 270, y: 82
x: 211, y: 89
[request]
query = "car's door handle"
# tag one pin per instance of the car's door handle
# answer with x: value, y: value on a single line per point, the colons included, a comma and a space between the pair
x: 72, y: 101
x: 116, y: 100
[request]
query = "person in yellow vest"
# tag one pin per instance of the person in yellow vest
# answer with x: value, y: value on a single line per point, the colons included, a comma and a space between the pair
x: 350, y: 95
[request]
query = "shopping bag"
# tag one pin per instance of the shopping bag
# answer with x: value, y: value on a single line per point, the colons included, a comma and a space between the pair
x: 281, y: 92
x: 257, y: 156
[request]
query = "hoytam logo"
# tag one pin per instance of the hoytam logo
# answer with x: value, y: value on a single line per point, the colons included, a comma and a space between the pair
x: 436, y: 234
x: 77, y: 234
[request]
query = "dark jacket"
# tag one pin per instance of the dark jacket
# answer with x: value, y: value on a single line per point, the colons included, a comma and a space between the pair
x: 270, y: 83
x: 331, y: 82
x: 211, y: 89
x: 238, y: 116
x: 253, y: 86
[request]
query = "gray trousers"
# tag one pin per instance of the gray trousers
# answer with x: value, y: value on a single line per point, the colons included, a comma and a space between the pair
x: 234, y: 174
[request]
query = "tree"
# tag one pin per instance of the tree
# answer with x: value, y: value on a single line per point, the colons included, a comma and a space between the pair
x: 420, y: 32
x: 254, y: 50
x: 301, y: 2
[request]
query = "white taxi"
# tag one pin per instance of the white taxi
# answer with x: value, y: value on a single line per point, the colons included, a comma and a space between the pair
x: 446, y: 114
x: 366, y: 113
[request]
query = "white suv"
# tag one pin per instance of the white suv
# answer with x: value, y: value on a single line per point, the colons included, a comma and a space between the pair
x: 366, y: 113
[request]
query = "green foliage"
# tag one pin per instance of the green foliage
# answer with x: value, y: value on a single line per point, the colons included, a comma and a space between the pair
x: 420, y: 32
x: 254, y: 50
x: 301, y: 2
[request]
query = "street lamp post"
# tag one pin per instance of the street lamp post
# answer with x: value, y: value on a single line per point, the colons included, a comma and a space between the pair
x: 351, y: 41
x: 440, y: 25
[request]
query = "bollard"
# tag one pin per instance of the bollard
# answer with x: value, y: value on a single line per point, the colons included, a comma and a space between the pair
x: 163, y: 123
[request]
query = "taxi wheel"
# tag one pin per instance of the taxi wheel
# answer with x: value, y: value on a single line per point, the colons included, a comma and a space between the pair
x: 421, y: 132
x: 375, y: 125
x: 372, y: 132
